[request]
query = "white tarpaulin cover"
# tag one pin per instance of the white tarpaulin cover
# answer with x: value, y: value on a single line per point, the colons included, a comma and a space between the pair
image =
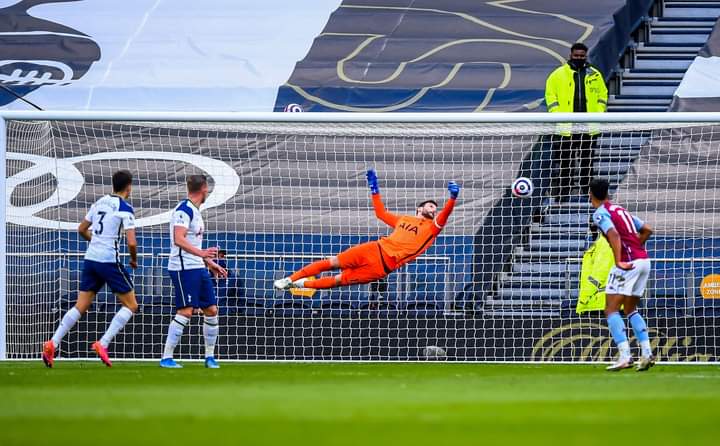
x: 228, y: 55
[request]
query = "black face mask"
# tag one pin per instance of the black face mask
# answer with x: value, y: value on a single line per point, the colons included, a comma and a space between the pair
x: 577, y: 63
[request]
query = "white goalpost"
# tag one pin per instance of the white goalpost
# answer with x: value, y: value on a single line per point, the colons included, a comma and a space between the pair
x: 509, y: 279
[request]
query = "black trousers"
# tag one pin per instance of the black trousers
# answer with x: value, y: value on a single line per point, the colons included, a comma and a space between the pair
x: 574, y: 156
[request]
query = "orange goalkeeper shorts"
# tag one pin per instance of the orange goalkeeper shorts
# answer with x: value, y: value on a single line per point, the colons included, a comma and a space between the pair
x: 364, y: 263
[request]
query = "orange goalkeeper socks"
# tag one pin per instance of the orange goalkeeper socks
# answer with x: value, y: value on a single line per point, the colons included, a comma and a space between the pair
x: 312, y: 269
x: 321, y: 283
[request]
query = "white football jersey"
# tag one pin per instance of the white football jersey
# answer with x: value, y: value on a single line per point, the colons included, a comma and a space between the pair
x: 187, y: 215
x: 108, y: 217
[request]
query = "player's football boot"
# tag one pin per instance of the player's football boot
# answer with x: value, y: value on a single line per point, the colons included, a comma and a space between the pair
x: 102, y: 353
x: 645, y: 363
x: 211, y: 363
x: 48, y: 354
x: 282, y: 284
x: 169, y: 363
x: 621, y: 364
x: 300, y: 283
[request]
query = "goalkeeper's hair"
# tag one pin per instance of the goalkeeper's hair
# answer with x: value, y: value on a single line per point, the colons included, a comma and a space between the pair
x: 196, y: 182
x: 426, y: 202
x: 599, y: 188
x: 121, y: 180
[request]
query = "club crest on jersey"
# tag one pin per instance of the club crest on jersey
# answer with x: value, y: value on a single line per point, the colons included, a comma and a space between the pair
x: 408, y: 227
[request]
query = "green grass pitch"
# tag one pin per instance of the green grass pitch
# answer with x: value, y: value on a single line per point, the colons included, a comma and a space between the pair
x: 132, y: 404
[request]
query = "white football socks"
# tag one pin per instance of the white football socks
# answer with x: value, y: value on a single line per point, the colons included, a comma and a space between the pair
x: 175, y: 331
x: 118, y: 322
x: 211, y: 329
x: 67, y: 322
x: 645, y: 349
x: 624, y: 348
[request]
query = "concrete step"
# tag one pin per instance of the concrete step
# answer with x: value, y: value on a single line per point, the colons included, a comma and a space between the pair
x: 616, y: 154
x: 524, y: 254
x: 608, y: 169
x: 669, y: 47
x: 564, y: 268
x: 649, y: 88
x: 682, y: 22
x: 494, y: 307
x: 632, y: 140
x: 536, y: 294
x: 635, y: 109
x: 572, y: 220
x: 626, y: 100
x: 569, y: 246
x: 674, y: 47
x: 652, y: 75
x: 535, y: 281
x: 577, y: 239
x: 643, y: 61
x: 537, y: 228
x: 649, y: 82
x: 686, y: 36
x: 691, y: 9
x: 572, y: 206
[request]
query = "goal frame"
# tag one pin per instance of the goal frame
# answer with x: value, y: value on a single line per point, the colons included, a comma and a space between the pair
x: 325, y: 118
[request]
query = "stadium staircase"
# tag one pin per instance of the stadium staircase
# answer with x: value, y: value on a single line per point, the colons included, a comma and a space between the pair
x: 664, y: 46
x: 543, y: 275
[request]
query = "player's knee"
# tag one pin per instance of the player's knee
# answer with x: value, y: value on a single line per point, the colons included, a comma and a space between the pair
x: 82, y: 307
x: 186, y: 311
x: 610, y: 309
x: 210, y: 311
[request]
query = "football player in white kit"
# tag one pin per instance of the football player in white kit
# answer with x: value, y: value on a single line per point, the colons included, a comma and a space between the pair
x: 103, y: 227
x: 188, y: 269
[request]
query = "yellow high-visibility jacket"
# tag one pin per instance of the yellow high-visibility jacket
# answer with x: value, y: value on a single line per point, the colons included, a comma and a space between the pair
x: 560, y: 93
x: 596, y: 264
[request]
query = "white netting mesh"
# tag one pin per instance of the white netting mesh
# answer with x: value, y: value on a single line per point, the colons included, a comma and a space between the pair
x: 500, y: 283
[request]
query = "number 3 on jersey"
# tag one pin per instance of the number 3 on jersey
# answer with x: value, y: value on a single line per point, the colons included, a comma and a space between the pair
x: 100, y: 222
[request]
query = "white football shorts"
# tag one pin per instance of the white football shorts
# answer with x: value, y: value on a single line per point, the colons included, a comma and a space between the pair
x: 629, y: 283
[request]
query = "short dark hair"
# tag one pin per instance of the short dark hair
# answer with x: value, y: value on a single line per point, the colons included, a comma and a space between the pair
x: 121, y: 179
x: 426, y: 202
x: 196, y: 182
x: 578, y: 46
x: 599, y: 188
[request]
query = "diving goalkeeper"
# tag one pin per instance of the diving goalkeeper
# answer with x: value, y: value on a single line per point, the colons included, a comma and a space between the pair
x: 374, y: 260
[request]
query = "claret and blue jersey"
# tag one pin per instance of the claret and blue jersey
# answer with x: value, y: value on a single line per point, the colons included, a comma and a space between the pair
x: 611, y: 216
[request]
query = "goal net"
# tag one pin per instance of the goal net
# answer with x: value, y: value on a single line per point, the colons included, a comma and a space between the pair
x: 503, y: 282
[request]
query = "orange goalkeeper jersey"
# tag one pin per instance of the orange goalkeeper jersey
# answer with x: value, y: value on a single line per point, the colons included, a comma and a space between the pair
x: 412, y: 236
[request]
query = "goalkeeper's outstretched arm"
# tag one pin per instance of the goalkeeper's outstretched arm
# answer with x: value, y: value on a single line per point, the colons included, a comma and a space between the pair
x: 442, y: 217
x: 380, y: 212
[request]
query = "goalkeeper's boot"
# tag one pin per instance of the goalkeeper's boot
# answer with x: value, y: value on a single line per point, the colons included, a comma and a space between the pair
x: 48, y: 354
x: 102, y: 353
x: 645, y: 363
x: 300, y: 283
x: 283, y: 284
x: 621, y: 364
x: 169, y: 363
x: 211, y: 363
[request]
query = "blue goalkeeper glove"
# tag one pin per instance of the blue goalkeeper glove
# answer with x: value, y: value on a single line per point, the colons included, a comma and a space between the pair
x: 372, y: 181
x: 454, y: 189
